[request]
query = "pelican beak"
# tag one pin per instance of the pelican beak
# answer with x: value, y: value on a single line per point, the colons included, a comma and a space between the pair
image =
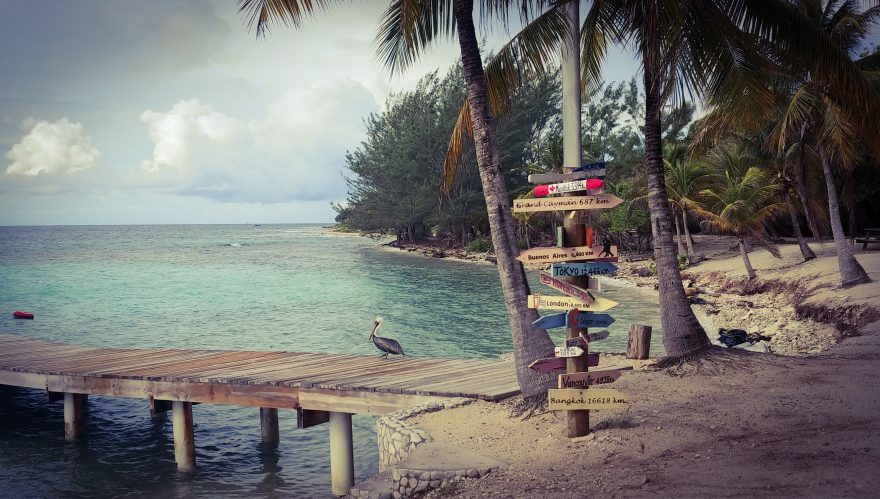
x: 375, y: 328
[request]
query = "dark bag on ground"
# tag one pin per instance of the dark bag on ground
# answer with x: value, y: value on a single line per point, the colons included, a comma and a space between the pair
x: 732, y: 337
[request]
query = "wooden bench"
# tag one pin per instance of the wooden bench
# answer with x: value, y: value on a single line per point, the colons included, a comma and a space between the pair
x: 871, y: 236
x: 867, y: 240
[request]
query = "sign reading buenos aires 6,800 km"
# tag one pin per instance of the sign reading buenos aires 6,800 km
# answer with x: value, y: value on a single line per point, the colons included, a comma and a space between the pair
x: 549, y: 255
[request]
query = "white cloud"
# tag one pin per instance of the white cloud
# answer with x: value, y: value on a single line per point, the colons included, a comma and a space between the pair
x: 52, y: 147
x: 295, y: 151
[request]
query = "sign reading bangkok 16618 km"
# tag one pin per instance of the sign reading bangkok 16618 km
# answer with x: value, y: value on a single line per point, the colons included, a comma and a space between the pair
x: 569, y: 399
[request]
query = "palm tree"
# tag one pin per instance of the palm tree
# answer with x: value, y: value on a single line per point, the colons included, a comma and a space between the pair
x: 405, y: 29
x: 837, y: 129
x: 684, y: 181
x: 717, y: 49
x: 741, y: 204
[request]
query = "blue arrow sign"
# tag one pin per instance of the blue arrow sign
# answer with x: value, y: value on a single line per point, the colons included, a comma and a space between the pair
x: 583, y: 269
x: 586, y: 319
x: 593, y: 320
x: 590, y: 166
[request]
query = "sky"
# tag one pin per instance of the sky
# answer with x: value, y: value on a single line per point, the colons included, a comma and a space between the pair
x: 169, y: 112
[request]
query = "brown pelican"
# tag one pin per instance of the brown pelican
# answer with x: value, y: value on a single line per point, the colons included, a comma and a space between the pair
x: 386, y: 345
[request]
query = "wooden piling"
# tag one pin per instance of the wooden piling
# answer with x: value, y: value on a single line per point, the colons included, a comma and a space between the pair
x: 74, y: 416
x: 184, y: 440
x: 638, y: 345
x: 341, y: 454
x: 269, y: 425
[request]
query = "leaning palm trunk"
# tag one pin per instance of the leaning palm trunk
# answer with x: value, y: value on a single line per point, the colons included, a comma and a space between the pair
x: 682, y: 333
x: 529, y: 342
x: 851, y: 272
x: 806, y: 251
x: 692, y: 255
x: 678, y: 241
x: 745, y: 255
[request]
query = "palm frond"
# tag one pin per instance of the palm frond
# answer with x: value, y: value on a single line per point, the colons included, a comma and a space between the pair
x: 407, y: 27
x: 259, y: 13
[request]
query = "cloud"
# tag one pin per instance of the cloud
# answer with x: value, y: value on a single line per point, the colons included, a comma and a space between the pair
x: 52, y: 147
x: 294, y: 152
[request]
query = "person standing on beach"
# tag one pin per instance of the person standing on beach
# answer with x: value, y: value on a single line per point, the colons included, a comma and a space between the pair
x: 606, y: 248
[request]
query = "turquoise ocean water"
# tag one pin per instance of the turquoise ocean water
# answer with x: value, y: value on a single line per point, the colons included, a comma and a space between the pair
x: 235, y: 287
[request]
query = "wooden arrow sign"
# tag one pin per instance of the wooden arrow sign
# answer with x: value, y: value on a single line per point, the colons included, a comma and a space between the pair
x: 583, y: 269
x: 594, y: 398
x: 546, y: 178
x: 567, y: 352
x: 550, y: 255
x: 587, y: 379
x: 548, y: 365
x: 589, y: 184
x: 551, y: 364
x: 542, y: 302
x: 597, y: 202
x: 598, y: 335
x: 580, y: 341
x: 592, y: 320
x: 586, y: 319
x: 567, y: 288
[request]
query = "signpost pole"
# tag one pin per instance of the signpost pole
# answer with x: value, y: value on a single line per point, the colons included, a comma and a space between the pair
x: 575, y: 233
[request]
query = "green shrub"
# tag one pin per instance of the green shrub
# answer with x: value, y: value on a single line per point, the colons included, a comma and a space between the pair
x: 481, y: 244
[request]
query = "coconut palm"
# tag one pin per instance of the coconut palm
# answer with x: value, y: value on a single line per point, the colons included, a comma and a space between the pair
x: 742, y: 204
x: 405, y: 30
x: 717, y: 49
x: 838, y: 130
x: 684, y: 181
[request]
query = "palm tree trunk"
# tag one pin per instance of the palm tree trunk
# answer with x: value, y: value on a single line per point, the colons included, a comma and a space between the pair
x: 806, y: 251
x: 678, y: 236
x: 692, y: 255
x: 851, y: 272
x: 682, y: 333
x: 529, y: 342
x: 745, y: 254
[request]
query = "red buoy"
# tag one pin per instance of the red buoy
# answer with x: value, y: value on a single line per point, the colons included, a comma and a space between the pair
x: 18, y: 314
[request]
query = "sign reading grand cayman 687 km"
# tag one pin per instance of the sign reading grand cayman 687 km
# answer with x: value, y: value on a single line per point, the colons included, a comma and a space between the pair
x: 543, y: 302
x: 600, y: 201
x: 594, y: 398
x: 549, y: 255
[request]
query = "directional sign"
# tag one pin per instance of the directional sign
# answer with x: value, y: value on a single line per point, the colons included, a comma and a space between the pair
x: 582, y: 269
x: 550, y: 364
x: 597, y: 202
x: 594, y: 398
x: 543, y: 302
x: 585, y: 320
x: 592, y: 320
x: 598, y: 335
x: 587, y: 379
x: 567, y: 352
x: 580, y: 341
x: 598, y: 165
x: 567, y: 288
x: 549, y: 255
x: 546, y: 178
x: 563, y: 187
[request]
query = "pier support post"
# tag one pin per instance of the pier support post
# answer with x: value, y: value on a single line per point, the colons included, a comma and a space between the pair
x: 184, y: 442
x: 269, y: 425
x: 341, y: 454
x: 74, y: 416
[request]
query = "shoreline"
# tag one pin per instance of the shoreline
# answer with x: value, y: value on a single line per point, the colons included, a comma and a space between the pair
x: 777, y: 305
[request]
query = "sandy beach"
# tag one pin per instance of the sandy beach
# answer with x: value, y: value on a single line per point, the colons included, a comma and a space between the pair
x: 798, y: 422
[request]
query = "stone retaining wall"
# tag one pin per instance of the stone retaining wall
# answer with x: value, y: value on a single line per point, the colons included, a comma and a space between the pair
x: 405, y: 482
x: 396, y: 439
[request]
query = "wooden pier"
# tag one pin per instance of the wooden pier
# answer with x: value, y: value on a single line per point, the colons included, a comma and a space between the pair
x: 320, y: 387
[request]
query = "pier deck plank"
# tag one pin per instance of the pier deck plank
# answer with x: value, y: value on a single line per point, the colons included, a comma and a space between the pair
x: 364, y: 384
